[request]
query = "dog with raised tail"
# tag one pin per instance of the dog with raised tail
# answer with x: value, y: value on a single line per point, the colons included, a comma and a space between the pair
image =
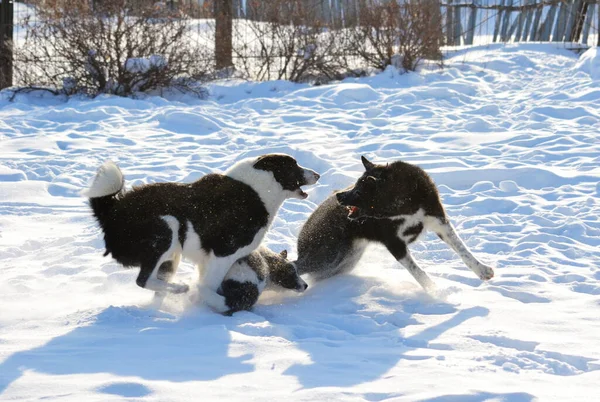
x: 390, y: 204
x: 249, y: 276
x: 213, y: 221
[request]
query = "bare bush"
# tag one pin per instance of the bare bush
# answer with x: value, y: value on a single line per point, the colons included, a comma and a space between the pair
x: 288, y: 41
x: 108, y: 46
x: 397, y: 33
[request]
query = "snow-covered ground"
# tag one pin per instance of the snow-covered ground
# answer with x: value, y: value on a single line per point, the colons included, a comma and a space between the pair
x: 511, y: 136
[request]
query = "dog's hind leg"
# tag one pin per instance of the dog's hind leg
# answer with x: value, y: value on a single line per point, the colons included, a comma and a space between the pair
x: 399, y: 250
x: 445, y: 231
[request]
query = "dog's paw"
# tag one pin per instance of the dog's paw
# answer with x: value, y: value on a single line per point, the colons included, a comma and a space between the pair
x: 485, y: 273
x: 213, y: 299
x: 178, y: 288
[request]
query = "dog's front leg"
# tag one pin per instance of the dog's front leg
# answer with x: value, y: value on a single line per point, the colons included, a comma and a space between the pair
x: 399, y: 250
x: 165, y: 273
x: 211, y: 277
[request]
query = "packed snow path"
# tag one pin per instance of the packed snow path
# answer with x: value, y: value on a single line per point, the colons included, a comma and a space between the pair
x: 510, y: 135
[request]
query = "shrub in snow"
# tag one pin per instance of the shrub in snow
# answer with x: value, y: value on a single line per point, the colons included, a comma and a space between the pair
x: 145, y: 64
x: 111, y: 46
x: 402, y: 34
x: 289, y: 42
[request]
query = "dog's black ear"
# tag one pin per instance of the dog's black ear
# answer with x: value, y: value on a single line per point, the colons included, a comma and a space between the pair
x: 283, y: 254
x: 367, y: 164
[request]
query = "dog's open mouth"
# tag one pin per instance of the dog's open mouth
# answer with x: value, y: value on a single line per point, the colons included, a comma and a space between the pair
x: 301, y: 194
x: 353, y: 211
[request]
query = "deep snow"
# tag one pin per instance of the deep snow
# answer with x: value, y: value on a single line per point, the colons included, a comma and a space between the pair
x: 510, y: 135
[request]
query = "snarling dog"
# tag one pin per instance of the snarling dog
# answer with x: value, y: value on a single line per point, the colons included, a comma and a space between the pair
x: 249, y: 276
x: 389, y: 204
x: 213, y: 221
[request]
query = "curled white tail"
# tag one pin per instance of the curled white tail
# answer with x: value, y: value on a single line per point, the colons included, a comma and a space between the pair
x: 108, y: 181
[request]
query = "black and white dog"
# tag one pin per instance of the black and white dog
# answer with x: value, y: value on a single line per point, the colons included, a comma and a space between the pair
x: 213, y: 221
x: 249, y: 276
x: 390, y: 204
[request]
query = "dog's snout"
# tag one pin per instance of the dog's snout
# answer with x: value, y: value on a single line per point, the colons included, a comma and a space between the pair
x: 310, y: 176
x: 342, y: 197
x: 302, y: 286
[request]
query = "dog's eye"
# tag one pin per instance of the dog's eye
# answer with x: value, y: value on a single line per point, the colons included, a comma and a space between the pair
x: 370, y: 181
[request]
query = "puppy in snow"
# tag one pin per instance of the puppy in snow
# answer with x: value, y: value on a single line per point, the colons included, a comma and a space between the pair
x: 249, y: 276
x: 390, y: 204
x: 213, y: 221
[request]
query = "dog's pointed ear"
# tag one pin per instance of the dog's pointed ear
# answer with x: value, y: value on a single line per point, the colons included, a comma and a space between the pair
x: 367, y: 164
x: 283, y: 254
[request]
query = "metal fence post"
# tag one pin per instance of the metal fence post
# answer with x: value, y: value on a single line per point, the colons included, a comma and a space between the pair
x: 6, y: 38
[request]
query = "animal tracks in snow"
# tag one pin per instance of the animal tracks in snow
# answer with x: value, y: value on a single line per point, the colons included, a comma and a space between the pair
x: 509, y: 135
x: 515, y: 355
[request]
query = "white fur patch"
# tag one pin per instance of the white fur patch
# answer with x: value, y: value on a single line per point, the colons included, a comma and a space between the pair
x: 212, y: 299
x: 309, y: 176
x: 192, y: 247
x: 241, y: 272
x: 217, y: 267
x: 409, y: 221
x: 263, y: 182
x: 108, y: 180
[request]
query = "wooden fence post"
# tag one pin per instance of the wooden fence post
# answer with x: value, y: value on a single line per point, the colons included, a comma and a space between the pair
x: 520, y: 22
x: 498, y: 21
x: 471, y: 24
x: 223, y: 33
x: 598, y: 25
x: 548, y: 23
x: 561, y: 23
x: 570, y: 19
x: 6, y: 43
x: 528, y: 21
x: 449, y: 24
x: 588, y: 23
x: 457, y: 26
x: 579, y: 10
x: 535, y: 33
x: 504, y: 36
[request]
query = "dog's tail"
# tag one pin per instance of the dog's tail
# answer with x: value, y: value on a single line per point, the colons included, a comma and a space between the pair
x: 103, y: 192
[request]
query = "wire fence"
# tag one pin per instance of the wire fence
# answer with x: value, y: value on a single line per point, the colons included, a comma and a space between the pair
x: 274, y: 39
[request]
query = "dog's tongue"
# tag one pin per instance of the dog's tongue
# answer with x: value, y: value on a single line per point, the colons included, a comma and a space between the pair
x: 303, y: 194
x: 352, y: 211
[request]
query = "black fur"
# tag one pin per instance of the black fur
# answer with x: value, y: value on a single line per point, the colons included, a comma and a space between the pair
x: 271, y: 269
x: 225, y: 213
x: 327, y: 239
x: 239, y: 295
x: 395, y: 189
x: 284, y: 169
x: 135, y: 234
x: 389, y: 204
